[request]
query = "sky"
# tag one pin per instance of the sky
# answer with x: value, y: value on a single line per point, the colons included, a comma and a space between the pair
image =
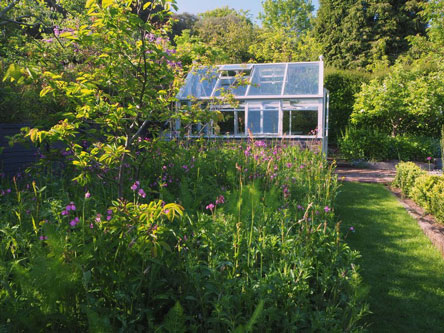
x: 199, y: 6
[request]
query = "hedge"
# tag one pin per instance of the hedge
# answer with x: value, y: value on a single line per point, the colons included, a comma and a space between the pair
x: 425, y: 189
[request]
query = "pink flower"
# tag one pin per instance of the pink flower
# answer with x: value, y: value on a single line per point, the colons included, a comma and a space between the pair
x: 73, y: 223
x: 352, y: 229
x: 91, y: 226
x: 87, y: 195
x: 327, y: 209
x: 210, y: 207
x: 109, y: 212
x: 64, y: 212
x: 43, y: 238
x: 109, y: 217
x: 134, y: 187
x: 98, y: 218
x: 429, y: 158
x: 166, y: 211
x: 142, y: 193
x: 71, y: 206
x: 220, y: 200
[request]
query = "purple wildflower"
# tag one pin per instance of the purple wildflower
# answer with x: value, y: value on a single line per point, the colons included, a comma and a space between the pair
x: 210, y: 207
x: 134, y: 187
x: 64, y: 212
x: 327, y: 209
x: 109, y: 217
x: 142, y: 193
x: 87, y: 195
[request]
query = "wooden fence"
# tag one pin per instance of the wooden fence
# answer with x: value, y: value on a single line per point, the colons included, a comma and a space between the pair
x: 16, y: 158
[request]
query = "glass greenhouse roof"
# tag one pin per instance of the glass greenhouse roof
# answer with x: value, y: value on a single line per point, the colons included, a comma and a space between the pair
x: 255, y: 80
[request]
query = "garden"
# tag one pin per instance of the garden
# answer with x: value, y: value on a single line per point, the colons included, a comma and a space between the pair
x: 118, y: 225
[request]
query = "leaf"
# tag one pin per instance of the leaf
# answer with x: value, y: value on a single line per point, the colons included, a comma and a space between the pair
x: 89, y: 3
x: 175, y: 319
x: 106, y: 3
x: 45, y: 91
x: 145, y: 6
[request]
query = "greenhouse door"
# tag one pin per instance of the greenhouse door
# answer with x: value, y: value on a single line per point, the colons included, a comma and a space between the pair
x: 263, y: 118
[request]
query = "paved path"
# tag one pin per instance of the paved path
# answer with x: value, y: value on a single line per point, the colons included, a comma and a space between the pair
x: 365, y: 175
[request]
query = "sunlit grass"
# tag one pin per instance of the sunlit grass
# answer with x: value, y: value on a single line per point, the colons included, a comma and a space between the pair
x: 402, y: 269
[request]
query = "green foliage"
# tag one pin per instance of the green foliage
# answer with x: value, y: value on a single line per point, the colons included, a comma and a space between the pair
x: 294, y: 17
x: 371, y: 144
x: 364, y: 144
x: 406, y: 175
x: 355, y: 34
x: 191, y: 50
x: 426, y: 190
x: 343, y: 87
x: 251, y: 244
x: 228, y: 30
x: 120, y: 84
x: 406, y: 101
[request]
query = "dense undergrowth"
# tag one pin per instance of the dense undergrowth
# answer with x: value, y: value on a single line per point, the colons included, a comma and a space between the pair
x: 207, y: 237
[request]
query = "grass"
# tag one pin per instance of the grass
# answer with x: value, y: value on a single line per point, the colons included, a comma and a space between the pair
x: 403, y: 271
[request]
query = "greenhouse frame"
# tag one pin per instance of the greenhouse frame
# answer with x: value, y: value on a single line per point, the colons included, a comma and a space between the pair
x: 274, y: 100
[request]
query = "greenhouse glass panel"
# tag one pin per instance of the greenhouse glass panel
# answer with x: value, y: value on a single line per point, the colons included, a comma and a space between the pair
x: 298, y: 122
x: 302, y: 79
x: 267, y: 80
x: 199, y: 83
x: 225, y: 126
x: 240, y: 122
x: 271, y: 122
x: 254, y: 121
x: 230, y: 85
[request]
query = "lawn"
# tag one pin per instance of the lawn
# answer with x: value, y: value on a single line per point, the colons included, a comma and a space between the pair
x: 401, y: 268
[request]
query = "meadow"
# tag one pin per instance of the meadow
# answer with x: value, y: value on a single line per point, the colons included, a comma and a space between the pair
x: 238, y: 236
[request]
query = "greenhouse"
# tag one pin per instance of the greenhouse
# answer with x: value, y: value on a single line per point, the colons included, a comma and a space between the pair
x: 279, y: 100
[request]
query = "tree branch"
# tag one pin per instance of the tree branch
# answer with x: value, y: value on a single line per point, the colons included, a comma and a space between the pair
x: 9, y: 7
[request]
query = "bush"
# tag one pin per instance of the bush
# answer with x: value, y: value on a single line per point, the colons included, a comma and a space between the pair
x: 343, y: 85
x: 371, y: 144
x: 406, y: 174
x: 364, y: 144
x: 407, y: 101
x: 426, y: 190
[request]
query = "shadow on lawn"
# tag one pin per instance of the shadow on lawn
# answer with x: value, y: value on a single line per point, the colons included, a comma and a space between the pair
x: 403, y: 271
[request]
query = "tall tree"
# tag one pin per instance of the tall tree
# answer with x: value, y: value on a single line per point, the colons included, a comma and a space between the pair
x: 356, y: 33
x: 293, y: 16
x: 228, y: 29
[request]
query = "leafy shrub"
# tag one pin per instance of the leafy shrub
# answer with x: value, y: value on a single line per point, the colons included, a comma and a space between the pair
x: 343, y: 85
x: 406, y: 175
x: 422, y: 189
x: 426, y: 190
x: 371, y: 144
x: 407, y: 101
x: 364, y: 144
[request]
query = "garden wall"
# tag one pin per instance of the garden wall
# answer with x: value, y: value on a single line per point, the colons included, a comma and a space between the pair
x: 15, y: 158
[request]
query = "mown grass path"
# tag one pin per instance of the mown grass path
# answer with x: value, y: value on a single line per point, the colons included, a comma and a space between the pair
x: 400, y: 266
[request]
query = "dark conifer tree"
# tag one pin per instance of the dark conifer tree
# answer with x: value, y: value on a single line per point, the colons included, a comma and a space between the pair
x: 355, y: 33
